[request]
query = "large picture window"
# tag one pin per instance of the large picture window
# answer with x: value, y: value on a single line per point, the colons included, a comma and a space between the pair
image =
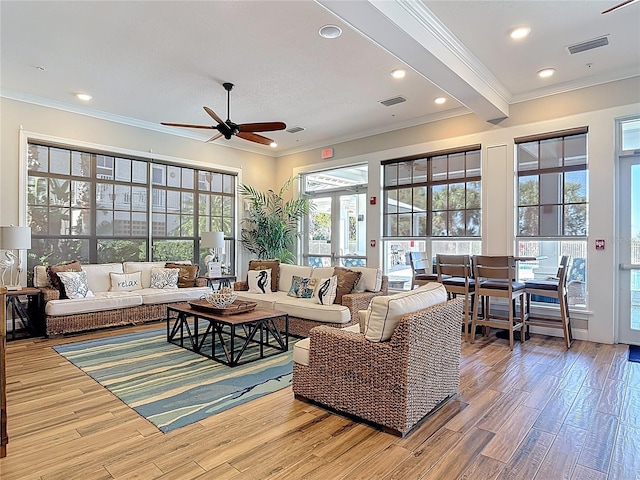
x: 100, y: 208
x: 432, y: 203
x: 552, y: 201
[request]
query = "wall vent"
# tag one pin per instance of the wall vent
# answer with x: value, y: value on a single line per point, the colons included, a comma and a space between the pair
x: 393, y: 101
x: 294, y: 129
x: 588, y: 45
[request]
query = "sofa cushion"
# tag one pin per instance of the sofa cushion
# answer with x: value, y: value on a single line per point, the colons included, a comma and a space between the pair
x: 100, y: 302
x: 288, y: 271
x: 263, y: 301
x: 259, y: 281
x: 325, y: 292
x: 52, y: 273
x: 98, y: 275
x: 152, y: 296
x: 268, y: 264
x: 144, y: 268
x: 302, y: 287
x: 188, y: 274
x: 164, y: 278
x: 370, y: 281
x: 385, y: 311
x: 322, y: 272
x: 75, y: 284
x: 309, y: 310
x: 125, y: 282
x: 347, y: 279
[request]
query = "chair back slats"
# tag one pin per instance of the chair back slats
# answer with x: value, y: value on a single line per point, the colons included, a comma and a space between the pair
x: 454, y: 265
x: 494, y: 267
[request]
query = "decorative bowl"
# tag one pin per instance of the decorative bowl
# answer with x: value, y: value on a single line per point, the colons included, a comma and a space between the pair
x: 221, y: 298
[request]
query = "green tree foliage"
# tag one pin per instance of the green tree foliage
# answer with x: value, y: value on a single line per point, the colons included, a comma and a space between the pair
x: 270, y: 229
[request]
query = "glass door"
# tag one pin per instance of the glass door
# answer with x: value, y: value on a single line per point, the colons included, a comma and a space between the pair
x: 629, y: 249
x: 337, y: 230
x: 351, y: 229
x: 318, y: 246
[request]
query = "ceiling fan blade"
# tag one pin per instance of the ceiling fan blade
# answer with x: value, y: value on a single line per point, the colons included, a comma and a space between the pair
x: 254, y: 137
x: 262, y: 126
x: 186, y: 125
x: 620, y: 5
x: 215, y: 137
x: 213, y: 115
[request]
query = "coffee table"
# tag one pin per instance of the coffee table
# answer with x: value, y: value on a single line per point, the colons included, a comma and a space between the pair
x: 233, y: 333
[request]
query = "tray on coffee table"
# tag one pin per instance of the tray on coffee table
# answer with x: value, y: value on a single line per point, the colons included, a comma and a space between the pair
x: 239, y: 306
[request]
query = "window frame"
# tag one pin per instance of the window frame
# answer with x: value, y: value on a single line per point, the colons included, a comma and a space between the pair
x: 103, y: 169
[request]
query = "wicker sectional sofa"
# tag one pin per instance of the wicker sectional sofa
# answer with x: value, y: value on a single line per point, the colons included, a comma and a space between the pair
x: 305, y: 313
x: 109, y: 308
x: 393, y: 383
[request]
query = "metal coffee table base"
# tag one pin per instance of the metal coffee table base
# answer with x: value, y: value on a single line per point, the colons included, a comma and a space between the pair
x: 233, y: 333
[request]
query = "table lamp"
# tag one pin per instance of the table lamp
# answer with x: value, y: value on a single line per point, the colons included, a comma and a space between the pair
x: 215, y: 242
x: 13, y: 238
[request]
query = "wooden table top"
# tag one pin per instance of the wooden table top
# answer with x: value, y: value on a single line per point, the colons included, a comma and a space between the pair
x: 235, y: 319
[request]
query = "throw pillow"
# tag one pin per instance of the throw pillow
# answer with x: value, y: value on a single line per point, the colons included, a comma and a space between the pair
x: 76, y: 284
x: 347, y: 279
x: 187, y: 275
x: 259, y: 280
x: 273, y: 265
x: 53, y: 270
x: 125, y: 282
x: 164, y: 277
x: 302, y: 287
x: 325, y: 292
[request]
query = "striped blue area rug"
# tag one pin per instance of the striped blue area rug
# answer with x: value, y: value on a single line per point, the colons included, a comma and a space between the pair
x: 170, y: 386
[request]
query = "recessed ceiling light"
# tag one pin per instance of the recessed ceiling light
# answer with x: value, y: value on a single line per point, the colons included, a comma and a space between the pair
x: 440, y: 100
x: 84, y: 96
x: 398, y: 73
x: 519, y: 33
x: 273, y: 144
x: 546, y: 72
x: 330, y: 31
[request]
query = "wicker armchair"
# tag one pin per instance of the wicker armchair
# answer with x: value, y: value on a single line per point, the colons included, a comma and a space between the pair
x: 392, y: 384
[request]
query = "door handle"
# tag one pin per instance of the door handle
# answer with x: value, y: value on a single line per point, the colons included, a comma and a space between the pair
x: 630, y: 266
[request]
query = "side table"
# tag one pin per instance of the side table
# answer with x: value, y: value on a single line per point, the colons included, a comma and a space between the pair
x: 30, y: 314
x: 222, y: 280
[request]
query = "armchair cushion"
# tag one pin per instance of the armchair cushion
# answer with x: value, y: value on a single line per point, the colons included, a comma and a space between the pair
x: 385, y: 311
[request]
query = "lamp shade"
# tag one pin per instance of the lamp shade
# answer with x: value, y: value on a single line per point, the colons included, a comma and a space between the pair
x: 15, y: 238
x: 212, y: 239
x: 218, y: 239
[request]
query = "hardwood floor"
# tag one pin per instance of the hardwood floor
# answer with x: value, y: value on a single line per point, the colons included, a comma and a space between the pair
x: 539, y: 412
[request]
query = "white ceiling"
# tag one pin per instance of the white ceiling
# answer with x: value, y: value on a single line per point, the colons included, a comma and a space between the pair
x: 147, y: 62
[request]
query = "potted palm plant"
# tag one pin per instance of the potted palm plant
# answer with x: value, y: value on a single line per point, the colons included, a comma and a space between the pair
x: 270, y: 229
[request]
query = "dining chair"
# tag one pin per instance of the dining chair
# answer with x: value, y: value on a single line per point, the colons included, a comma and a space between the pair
x: 495, y: 277
x: 455, y: 273
x: 555, y: 288
x: 421, y: 269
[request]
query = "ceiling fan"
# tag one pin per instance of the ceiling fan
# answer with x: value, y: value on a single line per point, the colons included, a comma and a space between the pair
x: 228, y: 129
x: 619, y: 5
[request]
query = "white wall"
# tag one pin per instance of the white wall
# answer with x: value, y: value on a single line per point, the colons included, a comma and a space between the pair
x: 596, y: 107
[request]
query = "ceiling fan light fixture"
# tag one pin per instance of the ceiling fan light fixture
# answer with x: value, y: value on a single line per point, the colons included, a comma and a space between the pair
x: 398, y: 73
x: 273, y: 144
x: 330, y: 31
x: 519, y: 33
x: 85, y: 97
x: 440, y: 100
x: 546, y: 72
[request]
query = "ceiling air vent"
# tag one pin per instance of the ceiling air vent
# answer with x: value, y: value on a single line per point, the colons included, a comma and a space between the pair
x: 295, y: 129
x: 588, y: 45
x: 393, y: 101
